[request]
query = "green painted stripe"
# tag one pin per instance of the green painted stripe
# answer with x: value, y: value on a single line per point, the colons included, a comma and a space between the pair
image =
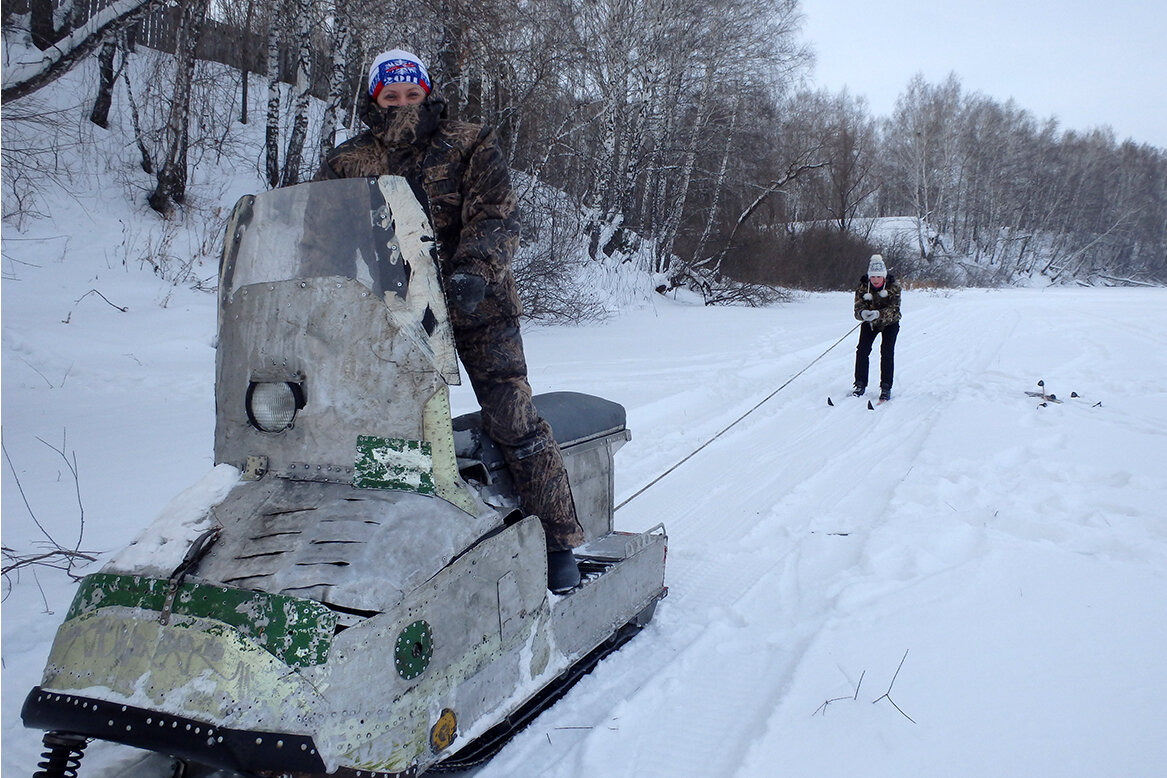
x: 296, y: 631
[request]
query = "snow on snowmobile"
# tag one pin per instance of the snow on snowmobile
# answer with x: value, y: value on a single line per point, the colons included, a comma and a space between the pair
x: 354, y: 589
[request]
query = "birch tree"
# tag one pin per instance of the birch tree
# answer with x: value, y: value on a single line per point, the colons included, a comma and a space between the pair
x: 924, y: 150
x: 302, y: 94
x: 107, y: 76
x: 172, y: 175
x: 340, y: 45
x: 271, y: 144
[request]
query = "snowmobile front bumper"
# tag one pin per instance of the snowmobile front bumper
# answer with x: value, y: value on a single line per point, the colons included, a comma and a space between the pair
x: 184, y: 738
x: 193, y: 670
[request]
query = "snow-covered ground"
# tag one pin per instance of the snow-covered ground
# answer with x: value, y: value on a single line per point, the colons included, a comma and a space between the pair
x: 958, y: 583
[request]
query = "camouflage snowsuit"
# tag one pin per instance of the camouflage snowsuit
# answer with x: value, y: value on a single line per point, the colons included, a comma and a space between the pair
x: 458, y: 172
x: 887, y: 302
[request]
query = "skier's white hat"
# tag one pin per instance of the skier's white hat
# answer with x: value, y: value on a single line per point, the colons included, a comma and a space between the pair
x: 876, y: 267
x: 396, y: 67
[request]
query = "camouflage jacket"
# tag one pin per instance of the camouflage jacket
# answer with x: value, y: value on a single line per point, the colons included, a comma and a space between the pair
x: 885, y: 300
x: 458, y: 171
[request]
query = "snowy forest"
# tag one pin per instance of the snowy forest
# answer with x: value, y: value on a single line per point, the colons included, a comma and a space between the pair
x: 682, y: 136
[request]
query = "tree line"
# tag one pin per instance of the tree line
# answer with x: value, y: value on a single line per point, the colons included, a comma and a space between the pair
x: 679, y: 131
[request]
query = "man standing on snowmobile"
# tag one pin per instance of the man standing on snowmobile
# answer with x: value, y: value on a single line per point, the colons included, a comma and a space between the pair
x: 459, y: 174
x: 877, y: 305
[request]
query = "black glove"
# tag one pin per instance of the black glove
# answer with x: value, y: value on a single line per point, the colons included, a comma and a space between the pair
x: 466, y: 291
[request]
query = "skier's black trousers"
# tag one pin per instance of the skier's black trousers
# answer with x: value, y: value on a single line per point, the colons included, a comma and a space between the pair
x: 887, y: 353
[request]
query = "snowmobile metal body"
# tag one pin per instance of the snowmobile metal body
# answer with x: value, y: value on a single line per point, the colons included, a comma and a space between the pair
x: 362, y: 594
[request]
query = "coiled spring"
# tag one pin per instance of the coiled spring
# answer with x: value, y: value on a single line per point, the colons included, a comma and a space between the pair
x: 62, y: 756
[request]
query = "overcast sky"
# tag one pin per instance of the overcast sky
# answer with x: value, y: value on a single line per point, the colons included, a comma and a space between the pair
x: 1086, y: 62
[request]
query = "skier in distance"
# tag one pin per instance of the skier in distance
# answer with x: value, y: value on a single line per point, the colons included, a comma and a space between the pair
x: 877, y: 305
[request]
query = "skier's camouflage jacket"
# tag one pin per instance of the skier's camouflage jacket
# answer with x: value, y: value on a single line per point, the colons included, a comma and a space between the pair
x: 885, y: 300
x: 460, y: 176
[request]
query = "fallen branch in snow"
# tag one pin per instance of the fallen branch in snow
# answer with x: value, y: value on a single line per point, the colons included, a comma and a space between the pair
x: 72, y: 465
x: 99, y: 294
x: 34, y: 369
x: 58, y: 556
x: 854, y: 696
x: 47, y: 559
x: 887, y: 694
x: 25, y: 76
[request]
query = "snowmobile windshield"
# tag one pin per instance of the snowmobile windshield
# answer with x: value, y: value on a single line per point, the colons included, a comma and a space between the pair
x: 334, y: 240
x: 342, y: 228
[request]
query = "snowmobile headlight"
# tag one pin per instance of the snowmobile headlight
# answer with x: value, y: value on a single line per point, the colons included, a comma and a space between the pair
x: 272, y: 405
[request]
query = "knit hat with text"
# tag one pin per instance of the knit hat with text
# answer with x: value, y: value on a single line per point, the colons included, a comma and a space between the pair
x: 397, y: 67
x: 876, y: 267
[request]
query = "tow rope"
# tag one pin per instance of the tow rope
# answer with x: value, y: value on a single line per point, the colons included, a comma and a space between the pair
x: 697, y: 450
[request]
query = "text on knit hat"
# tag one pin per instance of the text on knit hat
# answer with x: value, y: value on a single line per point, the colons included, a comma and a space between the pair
x: 397, y: 67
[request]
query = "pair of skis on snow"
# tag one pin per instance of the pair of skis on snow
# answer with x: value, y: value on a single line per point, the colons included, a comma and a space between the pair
x: 871, y: 405
x: 1047, y: 398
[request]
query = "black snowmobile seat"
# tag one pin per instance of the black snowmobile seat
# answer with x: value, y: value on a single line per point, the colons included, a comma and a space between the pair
x: 574, y: 418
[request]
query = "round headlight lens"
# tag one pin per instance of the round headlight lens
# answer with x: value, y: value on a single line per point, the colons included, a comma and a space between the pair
x: 272, y: 406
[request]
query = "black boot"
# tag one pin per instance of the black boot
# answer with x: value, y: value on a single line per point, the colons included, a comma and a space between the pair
x: 858, y: 390
x: 884, y: 393
x: 562, y: 571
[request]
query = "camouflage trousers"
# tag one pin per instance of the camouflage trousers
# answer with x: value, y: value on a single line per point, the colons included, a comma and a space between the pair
x: 492, y: 353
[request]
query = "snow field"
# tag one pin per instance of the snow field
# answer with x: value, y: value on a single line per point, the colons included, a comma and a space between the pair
x: 1011, y: 557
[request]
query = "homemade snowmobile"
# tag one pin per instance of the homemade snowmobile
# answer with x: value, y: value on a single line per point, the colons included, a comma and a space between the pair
x: 364, y: 596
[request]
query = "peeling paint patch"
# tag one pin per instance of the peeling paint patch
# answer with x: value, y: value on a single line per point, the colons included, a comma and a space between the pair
x: 394, y: 463
x: 297, y: 632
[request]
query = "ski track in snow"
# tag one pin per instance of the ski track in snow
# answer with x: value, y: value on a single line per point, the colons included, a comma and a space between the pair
x: 696, y: 686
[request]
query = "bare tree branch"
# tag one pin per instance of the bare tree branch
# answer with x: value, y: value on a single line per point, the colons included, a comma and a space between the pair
x: 58, y: 557
x: 887, y: 694
x: 25, y: 77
